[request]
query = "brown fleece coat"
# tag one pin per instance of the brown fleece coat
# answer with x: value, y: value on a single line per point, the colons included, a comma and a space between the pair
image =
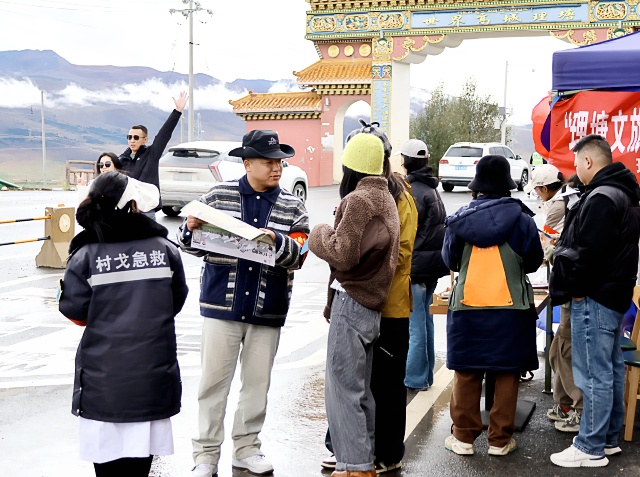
x: 362, y: 247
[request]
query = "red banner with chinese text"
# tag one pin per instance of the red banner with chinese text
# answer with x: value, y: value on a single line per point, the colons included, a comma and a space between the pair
x: 613, y: 115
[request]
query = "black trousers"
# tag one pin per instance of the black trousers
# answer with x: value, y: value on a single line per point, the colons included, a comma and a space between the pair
x: 125, y: 467
x: 389, y: 392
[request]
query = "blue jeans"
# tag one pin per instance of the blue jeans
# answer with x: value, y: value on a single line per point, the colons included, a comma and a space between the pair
x: 598, y: 370
x: 421, y: 356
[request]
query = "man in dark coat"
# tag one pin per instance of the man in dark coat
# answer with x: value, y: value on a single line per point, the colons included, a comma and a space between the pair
x: 426, y: 263
x: 595, y: 268
x: 141, y: 161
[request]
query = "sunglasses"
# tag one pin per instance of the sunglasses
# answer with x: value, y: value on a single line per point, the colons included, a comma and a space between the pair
x: 135, y: 137
x: 105, y: 164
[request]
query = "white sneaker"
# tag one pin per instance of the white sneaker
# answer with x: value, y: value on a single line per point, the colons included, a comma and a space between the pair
x: 256, y: 464
x: 329, y: 462
x: 507, y: 449
x: 574, y: 457
x: 571, y: 424
x: 460, y: 448
x: 557, y: 413
x: 610, y: 450
x: 203, y: 470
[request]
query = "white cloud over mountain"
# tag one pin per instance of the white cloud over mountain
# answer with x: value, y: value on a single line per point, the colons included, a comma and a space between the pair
x: 23, y: 93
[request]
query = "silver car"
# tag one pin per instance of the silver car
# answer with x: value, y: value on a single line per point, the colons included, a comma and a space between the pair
x: 458, y: 165
x: 189, y: 170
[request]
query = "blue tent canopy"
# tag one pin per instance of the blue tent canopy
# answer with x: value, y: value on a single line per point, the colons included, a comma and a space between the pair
x: 612, y: 65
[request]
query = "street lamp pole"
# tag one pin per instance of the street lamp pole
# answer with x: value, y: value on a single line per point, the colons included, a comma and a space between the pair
x: 190, y: 131
x: 194, y: 7
x: 44, y: 142
x: 503, y: 126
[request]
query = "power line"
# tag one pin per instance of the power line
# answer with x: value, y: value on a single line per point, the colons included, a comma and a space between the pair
x: 81, y: 7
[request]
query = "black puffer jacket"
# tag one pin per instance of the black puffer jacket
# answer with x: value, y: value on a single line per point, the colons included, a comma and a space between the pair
x: 426, y: 263
x: 597, y: 254
x: 145, y: 165
x: 128, y: 288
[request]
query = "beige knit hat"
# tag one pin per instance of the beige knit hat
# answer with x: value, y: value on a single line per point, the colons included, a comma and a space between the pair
x: 364, y: 153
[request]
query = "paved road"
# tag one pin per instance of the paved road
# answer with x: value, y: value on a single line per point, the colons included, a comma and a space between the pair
x: 38, y: 434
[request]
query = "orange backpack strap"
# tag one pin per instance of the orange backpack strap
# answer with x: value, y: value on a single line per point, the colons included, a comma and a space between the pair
x: 486, y: 282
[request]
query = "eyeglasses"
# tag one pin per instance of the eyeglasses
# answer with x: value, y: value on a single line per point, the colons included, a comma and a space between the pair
x: 135, y: 137
x: 104, y: 165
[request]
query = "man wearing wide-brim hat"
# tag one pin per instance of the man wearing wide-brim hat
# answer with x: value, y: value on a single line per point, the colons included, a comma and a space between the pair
x: 245, y: 303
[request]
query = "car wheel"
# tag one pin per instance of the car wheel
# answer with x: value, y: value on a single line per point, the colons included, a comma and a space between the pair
x: 447, y: 187
x: 300, y: 192
x: 524, y: 180
x: 170, y: 211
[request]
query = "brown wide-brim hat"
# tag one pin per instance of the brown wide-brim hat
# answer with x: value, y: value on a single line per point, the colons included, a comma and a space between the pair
x: 493, y: 175
x: 262, y: 143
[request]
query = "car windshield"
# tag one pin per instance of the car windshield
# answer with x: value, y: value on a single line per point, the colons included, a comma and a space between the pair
x: 188, y: 157
x: 465, y: 152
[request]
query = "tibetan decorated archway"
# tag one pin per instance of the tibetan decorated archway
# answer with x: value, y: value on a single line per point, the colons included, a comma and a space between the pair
x: 366, y: 49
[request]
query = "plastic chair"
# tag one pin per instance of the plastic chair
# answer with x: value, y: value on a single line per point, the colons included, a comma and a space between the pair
x: 632, y: 362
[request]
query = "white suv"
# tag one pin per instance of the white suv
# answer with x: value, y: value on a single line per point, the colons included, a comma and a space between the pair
x: 189, y: 170
x: 458, y: 165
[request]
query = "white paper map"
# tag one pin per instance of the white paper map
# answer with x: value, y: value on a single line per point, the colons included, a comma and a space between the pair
x: 229, y: 236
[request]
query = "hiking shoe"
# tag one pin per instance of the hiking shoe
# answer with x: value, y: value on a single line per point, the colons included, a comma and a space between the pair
x: 574, y: 457
x: 460, y: 448
x: 508, y: 449
x: 557, y: 413
x: 203, y: 470
x: 610, y: 450
x: 381, y: 467
x: 329, y: 462
x: 256, y: 464
x: 571, y: 424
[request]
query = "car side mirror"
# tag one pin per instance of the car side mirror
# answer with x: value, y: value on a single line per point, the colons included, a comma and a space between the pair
x: 285, y: 164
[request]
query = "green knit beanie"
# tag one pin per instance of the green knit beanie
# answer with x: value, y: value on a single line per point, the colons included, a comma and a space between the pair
x: 364, y: 153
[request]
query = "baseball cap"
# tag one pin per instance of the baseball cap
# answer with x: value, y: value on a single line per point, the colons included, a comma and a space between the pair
x: 415, y: 148
x: 542, y: 175
x: 146, y: 195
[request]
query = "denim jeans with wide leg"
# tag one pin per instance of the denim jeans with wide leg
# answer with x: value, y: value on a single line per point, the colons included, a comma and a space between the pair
x: 598, y: 370
x: 421, y: 356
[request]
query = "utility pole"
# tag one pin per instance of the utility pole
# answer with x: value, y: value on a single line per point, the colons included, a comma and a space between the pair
x: 194, y: 7
x: 44, y: 146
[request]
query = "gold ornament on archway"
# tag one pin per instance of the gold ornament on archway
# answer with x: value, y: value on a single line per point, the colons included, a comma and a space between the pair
x: 365, y: 50
x: 382, y: 48
x: 348, y: 50
x: 333, y: 51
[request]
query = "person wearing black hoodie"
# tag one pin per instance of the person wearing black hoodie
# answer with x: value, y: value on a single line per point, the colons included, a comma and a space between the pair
x: 426, y: 263
x: 595, y: 267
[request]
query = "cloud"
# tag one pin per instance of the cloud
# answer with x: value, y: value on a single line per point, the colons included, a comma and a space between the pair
x: 359, y: 109
x: 23, y: 93
x: 18, y: 93
x: 285, y: 86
